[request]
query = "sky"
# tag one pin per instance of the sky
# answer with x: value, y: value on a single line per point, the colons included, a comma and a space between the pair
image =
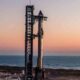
x: 61, y: 30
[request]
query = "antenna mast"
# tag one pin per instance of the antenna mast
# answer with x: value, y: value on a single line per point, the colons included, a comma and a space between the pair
x: 30, y: 2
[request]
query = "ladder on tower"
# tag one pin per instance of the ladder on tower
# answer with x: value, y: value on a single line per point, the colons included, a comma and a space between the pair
x: 29, y: 42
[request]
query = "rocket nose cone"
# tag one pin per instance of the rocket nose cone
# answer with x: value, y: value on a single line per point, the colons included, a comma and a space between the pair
x: 40, y: 13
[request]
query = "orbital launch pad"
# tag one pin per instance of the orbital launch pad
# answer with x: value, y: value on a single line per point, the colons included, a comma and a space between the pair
x: 29, y: 37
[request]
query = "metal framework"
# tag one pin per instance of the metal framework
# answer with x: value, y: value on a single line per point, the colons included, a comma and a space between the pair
x: 29, y: 36
x: 29, y: 43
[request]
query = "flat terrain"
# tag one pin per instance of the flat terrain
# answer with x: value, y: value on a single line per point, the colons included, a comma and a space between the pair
x: 64, y: 78
x: 15, y: 73
x: 62, y: 74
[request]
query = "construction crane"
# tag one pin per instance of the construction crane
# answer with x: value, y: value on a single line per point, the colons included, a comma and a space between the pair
x: 29, y: 36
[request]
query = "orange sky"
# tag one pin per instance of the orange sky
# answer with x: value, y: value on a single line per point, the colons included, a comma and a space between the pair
x: 61, y: 30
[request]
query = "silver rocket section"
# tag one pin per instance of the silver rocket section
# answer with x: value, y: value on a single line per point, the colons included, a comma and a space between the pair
x: 41, y: 18
x: 40, y: 35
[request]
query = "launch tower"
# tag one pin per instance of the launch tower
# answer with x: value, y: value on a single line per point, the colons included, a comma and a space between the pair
x: 29, y: 36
